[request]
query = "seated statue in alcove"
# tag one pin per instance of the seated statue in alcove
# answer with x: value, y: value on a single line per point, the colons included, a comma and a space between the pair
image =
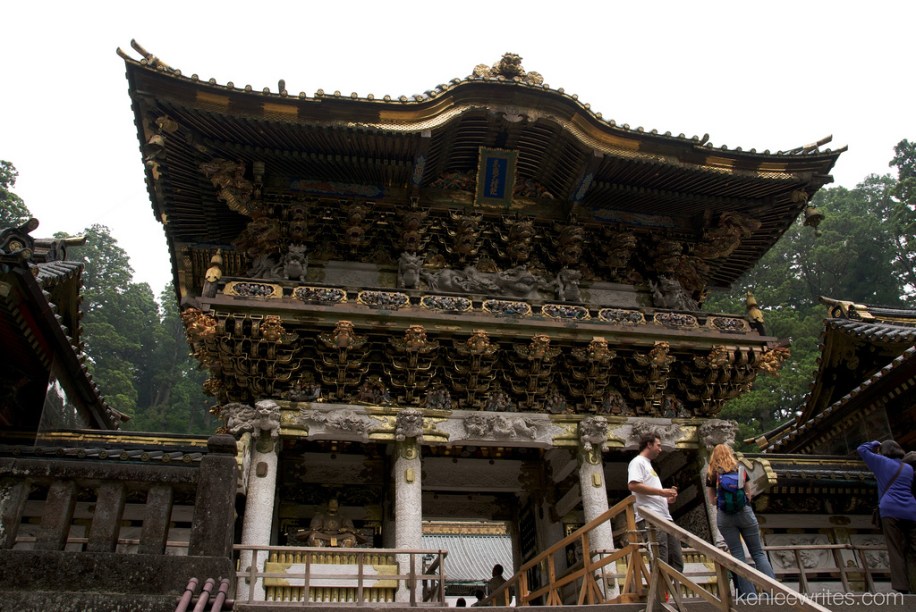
x: 329, y: 529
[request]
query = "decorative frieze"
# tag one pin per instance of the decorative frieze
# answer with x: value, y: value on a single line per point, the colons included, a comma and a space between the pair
x: 320, y: 295
x: 622, y: 317
x: 383, y: 300
x: 446, y: 303
x: 507, y: 308
x: 251, y: 289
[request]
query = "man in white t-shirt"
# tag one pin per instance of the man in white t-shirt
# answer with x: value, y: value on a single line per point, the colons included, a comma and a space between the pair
x: 646, y: 486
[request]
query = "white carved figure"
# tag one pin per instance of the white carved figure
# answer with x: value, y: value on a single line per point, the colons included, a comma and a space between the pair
x: 263, y: 418
x: 593, y: 432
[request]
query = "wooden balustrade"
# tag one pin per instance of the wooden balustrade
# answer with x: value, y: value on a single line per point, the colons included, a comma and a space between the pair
x: 65, y: 503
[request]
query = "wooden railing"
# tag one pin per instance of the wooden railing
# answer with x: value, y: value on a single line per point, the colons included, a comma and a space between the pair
x: 588, y: 579
x: 594, y: 580
x: 44, y: 505
x: 352, y: 576
x: 666, y: 579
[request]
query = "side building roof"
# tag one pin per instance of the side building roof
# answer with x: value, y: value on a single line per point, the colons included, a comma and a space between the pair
x: 868, y: 359
x: 48, y: 384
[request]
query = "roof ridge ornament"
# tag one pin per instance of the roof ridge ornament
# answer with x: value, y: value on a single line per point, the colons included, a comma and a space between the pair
x: 509, y: 67
x: 149, y: 59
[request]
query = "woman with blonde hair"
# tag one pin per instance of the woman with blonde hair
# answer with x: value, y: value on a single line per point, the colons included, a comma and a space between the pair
x: 730, y: 491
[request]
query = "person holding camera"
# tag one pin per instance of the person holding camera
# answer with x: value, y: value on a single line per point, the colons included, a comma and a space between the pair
x: 896, y: 505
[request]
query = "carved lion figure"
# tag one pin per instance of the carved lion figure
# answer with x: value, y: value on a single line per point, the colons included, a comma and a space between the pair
x: 593, y: 432
x: 716, y: 431
x: 408, y: 424
x: 263, y: 418
x: 294, y: 264
x: 409, y: 266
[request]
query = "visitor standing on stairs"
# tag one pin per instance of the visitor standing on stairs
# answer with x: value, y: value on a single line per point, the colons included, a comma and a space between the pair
x: 730, y: 491
x: 646, y: 486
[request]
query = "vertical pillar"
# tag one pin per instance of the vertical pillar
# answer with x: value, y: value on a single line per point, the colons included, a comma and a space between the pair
x: 259, y: 512
x: 106, y: 518
x: 594, y: 504
x: 57, y: 516
x: 13, y: 495
x: 408, y: 512
x: 157, y: 515
x: 214, y: 506
x: 711, y: 509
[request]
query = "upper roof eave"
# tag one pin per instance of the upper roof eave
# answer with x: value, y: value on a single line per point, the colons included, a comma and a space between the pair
x: 415, y: 113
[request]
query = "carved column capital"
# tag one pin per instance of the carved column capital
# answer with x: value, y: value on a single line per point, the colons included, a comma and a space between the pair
x: 408, y: 425
x: 717, y: 431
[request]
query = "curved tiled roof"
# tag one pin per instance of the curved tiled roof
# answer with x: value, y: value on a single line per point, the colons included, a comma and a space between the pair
x: 405, y: 101
x: 597, y: 170
x: 796, y: 431
x: 54, y: 272
x: 874, y: 331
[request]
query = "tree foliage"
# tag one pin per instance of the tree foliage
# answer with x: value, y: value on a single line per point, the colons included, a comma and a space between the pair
x: 138, y: 353
x: 13, y: 211
x: 903, y: 215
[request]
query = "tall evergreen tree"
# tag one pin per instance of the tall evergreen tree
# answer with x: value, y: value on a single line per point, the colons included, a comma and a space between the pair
x: 13, y: 211
x: 119, y: 319
x: 903, y: 217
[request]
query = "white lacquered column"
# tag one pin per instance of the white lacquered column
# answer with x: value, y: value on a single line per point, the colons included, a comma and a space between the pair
x: 408, y: 511
x: 594, y: 504
x: 259, y: 512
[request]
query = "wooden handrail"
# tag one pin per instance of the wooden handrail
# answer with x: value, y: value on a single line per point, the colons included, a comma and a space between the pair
x: 724, y: 562
x: 585, y: 573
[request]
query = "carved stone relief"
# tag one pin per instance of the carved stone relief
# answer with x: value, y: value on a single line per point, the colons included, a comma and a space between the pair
x: 667, y: 433
x: 263, y: 419
x: 347, y: 421
x: 593, y: 433
x: 500, y: 427
x: 715, y: 431
x: 408, y: 424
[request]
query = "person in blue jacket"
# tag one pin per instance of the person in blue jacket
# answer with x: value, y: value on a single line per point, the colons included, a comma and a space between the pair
x: 896, y: 505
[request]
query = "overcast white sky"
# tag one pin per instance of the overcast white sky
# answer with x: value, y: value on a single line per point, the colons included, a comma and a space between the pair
x: 766, y: 75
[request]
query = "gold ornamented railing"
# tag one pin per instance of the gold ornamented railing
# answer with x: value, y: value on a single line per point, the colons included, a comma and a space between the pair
x: 360, y: 576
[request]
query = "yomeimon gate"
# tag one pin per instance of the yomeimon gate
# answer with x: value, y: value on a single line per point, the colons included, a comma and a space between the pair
x: 462, y: 305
